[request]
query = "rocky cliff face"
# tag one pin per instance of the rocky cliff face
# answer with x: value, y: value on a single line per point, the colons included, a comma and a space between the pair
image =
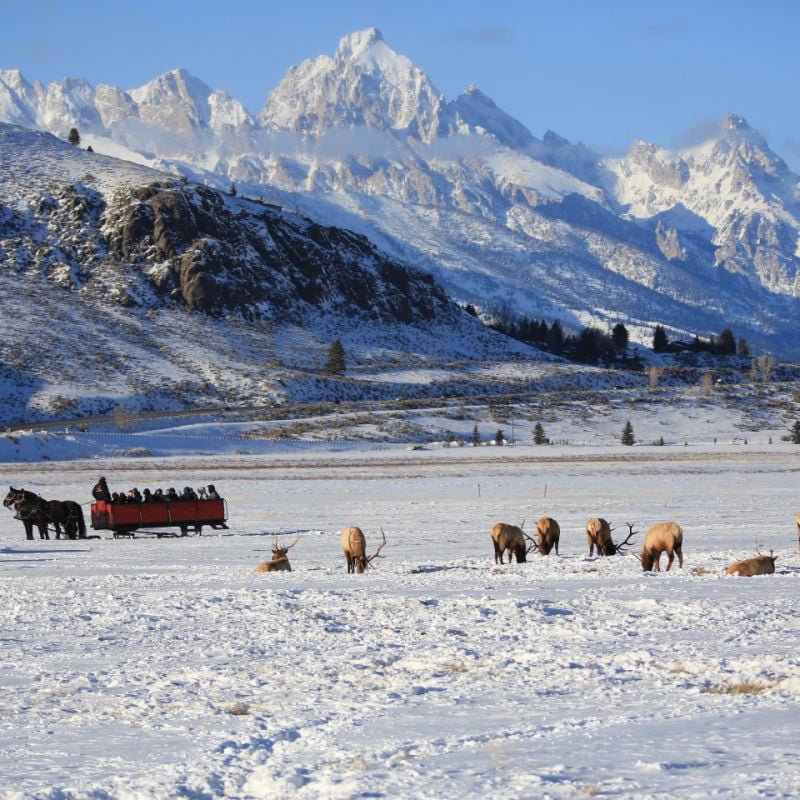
x: 216, y: 254
x: 139, y: 239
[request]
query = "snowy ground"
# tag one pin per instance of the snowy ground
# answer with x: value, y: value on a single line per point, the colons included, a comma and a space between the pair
x: 152, y: 667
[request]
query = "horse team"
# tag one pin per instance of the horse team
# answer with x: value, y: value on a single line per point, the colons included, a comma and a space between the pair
x: 34, y: 510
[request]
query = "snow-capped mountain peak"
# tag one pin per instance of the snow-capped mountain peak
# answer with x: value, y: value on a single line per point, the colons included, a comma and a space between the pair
x: 357, y: 45
x: 175, y: 100
x: 365, y: 84
x: 475, y: 112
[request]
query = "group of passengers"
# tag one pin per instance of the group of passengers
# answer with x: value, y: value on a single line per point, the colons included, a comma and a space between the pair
x: 100, y: 491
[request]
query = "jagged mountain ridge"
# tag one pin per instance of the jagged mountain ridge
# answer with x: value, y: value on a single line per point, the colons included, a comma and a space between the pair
x: 697, y: 240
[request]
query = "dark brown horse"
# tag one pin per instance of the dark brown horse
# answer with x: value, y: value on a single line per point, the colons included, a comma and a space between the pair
x: 35, y: 510
x: 69, y: 514
x: 31, y: 509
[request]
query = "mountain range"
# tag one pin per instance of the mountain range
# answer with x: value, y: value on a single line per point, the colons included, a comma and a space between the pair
x: 362, y: 143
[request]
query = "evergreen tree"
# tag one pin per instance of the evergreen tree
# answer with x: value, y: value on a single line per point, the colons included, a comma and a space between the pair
x: 796, y: 432
x: 619, y: 336
x: 743, y: 349
x: 627, y: 437
x: 586, y: 347
x: 232, y: 190
x: 499, y: 438
x: 555, y: 337
x: 726, y: 343
x: 336, y: 363
x: 539, y: 435
x: 74, y: 137
x: 660, y: 340
x: 476, y: 437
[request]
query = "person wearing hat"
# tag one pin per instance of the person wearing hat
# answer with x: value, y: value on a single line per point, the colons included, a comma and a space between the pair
x: 100, y: 491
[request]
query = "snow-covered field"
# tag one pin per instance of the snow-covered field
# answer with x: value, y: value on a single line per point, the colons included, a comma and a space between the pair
x: 161, y: 668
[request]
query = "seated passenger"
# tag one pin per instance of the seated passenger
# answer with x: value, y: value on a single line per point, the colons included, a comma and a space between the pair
x: 147, y: 497
x: 212, y: 492
x: 171, y: 494
x: 188, y: 493
x: 158, y: 496
x: 134, y: 495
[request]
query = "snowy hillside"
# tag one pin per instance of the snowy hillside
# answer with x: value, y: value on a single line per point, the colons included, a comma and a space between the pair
x: 124, y: 290
x: 696, y: 240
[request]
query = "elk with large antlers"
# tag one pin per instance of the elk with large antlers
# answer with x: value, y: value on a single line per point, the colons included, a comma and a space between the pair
x: 511, y: 539
x: 549, y: 533
x: 354, y: 547
x: 280, y: 560
x: 664, y: 537
x: 598, y: 534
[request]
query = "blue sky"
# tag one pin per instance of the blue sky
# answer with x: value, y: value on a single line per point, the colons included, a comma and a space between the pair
x: 604, y: 73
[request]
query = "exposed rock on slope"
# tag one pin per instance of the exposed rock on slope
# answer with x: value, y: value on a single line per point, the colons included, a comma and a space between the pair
x: 219, y: 254
x: 169, y: 241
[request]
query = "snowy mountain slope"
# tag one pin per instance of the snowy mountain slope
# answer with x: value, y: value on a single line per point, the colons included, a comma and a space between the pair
x: 121, y: 287
x: 697, y: 240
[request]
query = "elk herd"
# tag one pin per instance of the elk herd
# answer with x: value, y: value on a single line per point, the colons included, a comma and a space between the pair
x: 663, y: 538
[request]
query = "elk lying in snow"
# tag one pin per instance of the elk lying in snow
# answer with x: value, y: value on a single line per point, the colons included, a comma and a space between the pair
x: 760, y: 565
x: 549, y: 534
x: 279, y: 561
x: 598, y: 534
x: 511, y: 539
x: 664, y: 537
x: 354, y: 547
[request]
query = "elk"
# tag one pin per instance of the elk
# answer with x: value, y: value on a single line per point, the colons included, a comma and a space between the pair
x: 508, y: 538
x: 549, y: 534
x: 598, y: 534
x: 279, y: 561
x: 354, y: 547
x: 664, y: 537
x: 759, y: 565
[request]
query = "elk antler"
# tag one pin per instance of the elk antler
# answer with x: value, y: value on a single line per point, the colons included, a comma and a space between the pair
x: 377, y: 554
x: 297, y: 539
x: 627, y: 541
x: 533, y: 546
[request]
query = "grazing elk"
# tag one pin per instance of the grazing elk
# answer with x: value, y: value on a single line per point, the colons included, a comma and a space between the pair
x: 598, y: 534
x: 511, y: 539
x: 549, y: 533
x: 759, y: 565
x: 280, y: 560
x: 664, y: 537
x: 354, y: 547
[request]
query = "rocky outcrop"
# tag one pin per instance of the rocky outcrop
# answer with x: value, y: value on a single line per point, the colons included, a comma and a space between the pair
x: 217, y: 254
